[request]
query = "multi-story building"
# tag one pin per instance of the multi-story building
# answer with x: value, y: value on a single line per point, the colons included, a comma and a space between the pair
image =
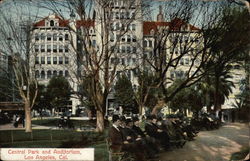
x: 129, y: 39
x: 53, y: 52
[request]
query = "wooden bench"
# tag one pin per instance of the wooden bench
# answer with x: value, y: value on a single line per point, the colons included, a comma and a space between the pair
x: 118, y: 155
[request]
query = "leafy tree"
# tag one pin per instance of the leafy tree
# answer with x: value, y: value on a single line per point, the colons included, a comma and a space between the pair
x: 188, y: 98
x: 124, y: 93
x: 58, y: 92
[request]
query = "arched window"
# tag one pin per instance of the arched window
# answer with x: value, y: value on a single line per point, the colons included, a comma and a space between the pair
x: 37, y: 75
x: 42, y: 74
x: 60, y: 73
x: 54, y: 73
x: 52, y: 23
x: 66, y: 73
x: 36, y: 36
x: 49, y: 74
x: 42, y: 36
x: 54, y: 37
x: 48, y: 37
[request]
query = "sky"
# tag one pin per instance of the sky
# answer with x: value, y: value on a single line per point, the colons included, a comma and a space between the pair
x: 21, y: 9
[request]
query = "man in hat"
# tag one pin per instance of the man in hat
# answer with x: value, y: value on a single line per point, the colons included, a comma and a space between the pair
x: 120, y: 141
x: 154, y: 131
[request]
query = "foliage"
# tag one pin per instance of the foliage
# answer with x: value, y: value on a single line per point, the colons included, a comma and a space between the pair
x: 58, y: 92
x: 124, y: 93
x: 188, y: 98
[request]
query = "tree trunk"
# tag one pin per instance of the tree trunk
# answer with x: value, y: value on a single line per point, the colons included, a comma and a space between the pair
x: 99, y: 121
x: 158, y: 106
x: 28, y: 125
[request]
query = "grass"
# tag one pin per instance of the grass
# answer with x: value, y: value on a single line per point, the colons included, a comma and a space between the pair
x: 54, y: 122
x: 60, y: 138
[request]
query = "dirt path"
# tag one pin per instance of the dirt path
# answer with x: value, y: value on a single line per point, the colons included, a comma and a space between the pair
x: 216, y: 145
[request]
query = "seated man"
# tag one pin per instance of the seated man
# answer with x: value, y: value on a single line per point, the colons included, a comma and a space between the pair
x: 119, y: 142
x: 154, y: 131
x: 149, y: 140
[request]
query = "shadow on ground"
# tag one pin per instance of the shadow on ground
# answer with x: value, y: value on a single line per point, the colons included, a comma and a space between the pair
x: 216, y: 145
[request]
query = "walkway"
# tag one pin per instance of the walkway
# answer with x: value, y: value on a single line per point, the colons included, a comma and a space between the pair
x: 216, y: 145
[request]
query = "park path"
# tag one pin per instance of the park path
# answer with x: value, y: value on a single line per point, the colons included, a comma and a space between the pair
x: 216, y: 145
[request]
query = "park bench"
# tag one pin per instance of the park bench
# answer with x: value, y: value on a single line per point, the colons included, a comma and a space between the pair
x: 118, y: 156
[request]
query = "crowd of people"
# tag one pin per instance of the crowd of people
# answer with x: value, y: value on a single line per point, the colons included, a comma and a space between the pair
x: 159, y: 134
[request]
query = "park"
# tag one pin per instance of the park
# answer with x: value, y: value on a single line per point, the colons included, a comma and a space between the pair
x: 135, y: 80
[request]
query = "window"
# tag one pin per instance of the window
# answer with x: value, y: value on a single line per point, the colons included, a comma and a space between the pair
x: 42, y: 48
x: 54, y: 73
x: 37, y: 60
x: 134, y: 38
x: 66, y: 73
x: 123, y: 39
x: 42, y: 74
x: 133, y: 27
x: 66, y: 48
x: 66, y: 36
x: 172, y: 74
x: 52, y: 23
x: 60, y: 49
x: 36, y: 48
x: 150, y: 43
x: 49, y: 74
x: 117, y: 15
x: 187, y: 61
x: 128, y: 38
x: 123, y: 61
x: 60, y: 60
x: 134, y: 49
x: 66, y: 60
x: 42, y: 60
x: 42, y: 36
x: 123, y: 49
x: 128, y: 49
x: 49, y: 37
x: 48, y: 60
x: 117, y: 26
x: 37, y: 74
x: 145, y: 43
x: 54, y: 60
x: 54, y: 37
x: 54, y: 48
x: 36, y: 36
x: 60, y: 73
x: 182, y: 61
x: 112, y: 37
x: 94, y: 43
x: 129, y: 61
x: 60, y: 37
x: 49, y: 48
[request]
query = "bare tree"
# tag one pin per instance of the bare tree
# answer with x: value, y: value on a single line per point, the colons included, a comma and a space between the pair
x: 178, y: 49
x: 16, y: 33
x: 101, y: 42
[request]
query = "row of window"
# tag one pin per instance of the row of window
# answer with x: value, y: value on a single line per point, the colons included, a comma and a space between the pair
x: 52, y: 60
x: 122, y: 27
x: 122, y: 4
x: 122, y: 15
x: 49, y: 74
x: 123, y: 61
x: 148, y: 43
x: 124, y: 49
x: 52, y: 48
x: 50, y: 37
x: 126, y: 38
